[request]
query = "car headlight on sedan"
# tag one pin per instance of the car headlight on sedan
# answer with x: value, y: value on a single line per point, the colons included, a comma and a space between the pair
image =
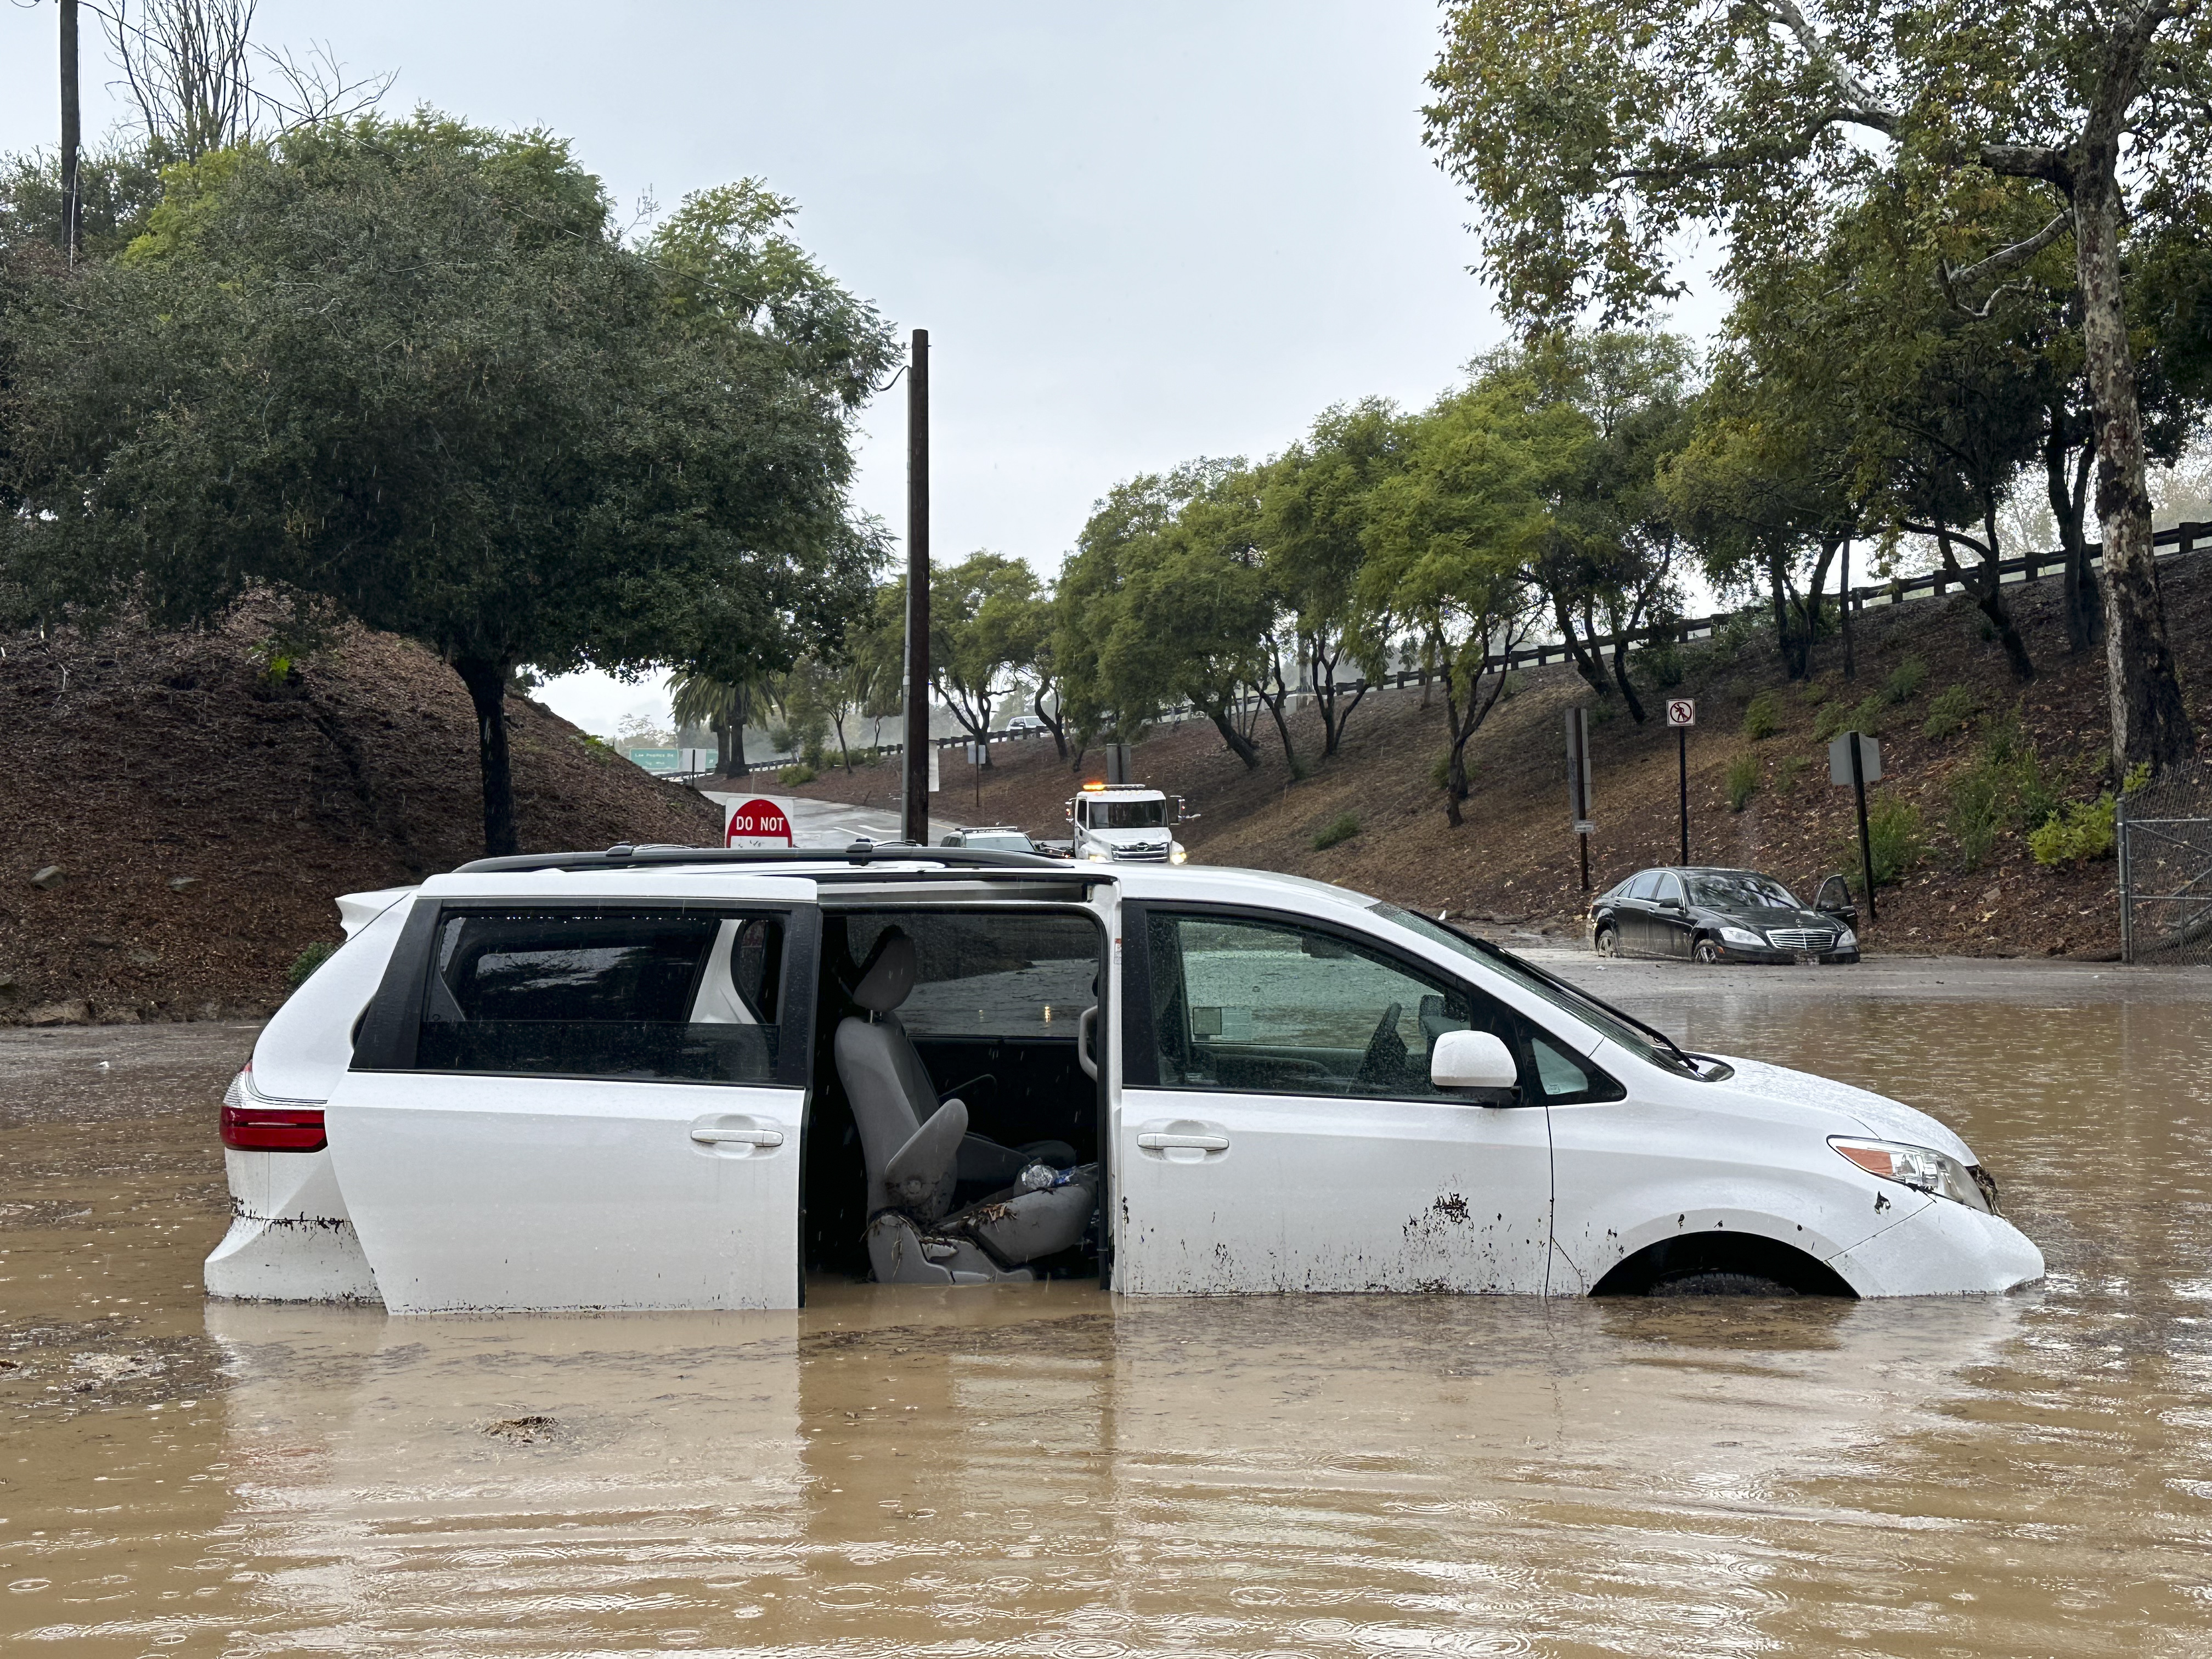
x: 1744, y: 937
x: 1921, y: 1167
x: 1847, y: 940
x: 1175, y: 854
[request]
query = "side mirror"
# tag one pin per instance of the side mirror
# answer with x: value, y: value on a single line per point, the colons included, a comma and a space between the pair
x: 1474, y: 1059
x: 1670, y: 903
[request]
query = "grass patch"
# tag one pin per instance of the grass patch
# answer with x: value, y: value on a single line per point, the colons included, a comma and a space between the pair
x: 1905, y: 680
x: 1761, y: 718
x: 304, y: 965
x: 1742, y: 781
x: 1341, y: 828
x: 1952, y: 711
x: 2007, y: 789
x: 1895, y: 835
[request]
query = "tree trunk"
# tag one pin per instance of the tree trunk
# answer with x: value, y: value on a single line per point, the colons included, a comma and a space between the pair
x: 72, y: 184
x: 2149, y: 721
x: 1054, y: 723
x: 2069, y: 499
x: 1843, y: 606
x: 1586, y: 663
x: 487, y: 682
x: 1621, y: 677
x: 1239, y: 745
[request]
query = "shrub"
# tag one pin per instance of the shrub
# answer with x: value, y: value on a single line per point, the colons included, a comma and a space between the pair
x: 1761, y: 718
x: 1829, y: 718
x: 1742, y: 781
x: 1787, y: 771
x: 792, y: 776
x: 780, y: 738
x: 1895, y: 836
x: 1976, y: 814
x: 1343, y: 827
x: 1905, y: 680
x: 1440, y: 773
x: 2080, y: 831
x: 1665, y: 664
x: 1951, y: 711
x: 304, y: 965
x: 1814, y: 691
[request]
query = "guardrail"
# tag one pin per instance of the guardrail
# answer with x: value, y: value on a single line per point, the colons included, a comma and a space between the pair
x: 2181, y: 540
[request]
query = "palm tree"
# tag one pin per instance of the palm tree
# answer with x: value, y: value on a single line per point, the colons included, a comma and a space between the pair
x: 701, y: 700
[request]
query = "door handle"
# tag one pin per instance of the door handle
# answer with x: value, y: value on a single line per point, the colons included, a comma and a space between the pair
x: 706, y: 1136
x: 1162, y: 1142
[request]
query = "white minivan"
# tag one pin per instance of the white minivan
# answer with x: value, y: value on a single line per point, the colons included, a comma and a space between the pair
x: 660, y: 1078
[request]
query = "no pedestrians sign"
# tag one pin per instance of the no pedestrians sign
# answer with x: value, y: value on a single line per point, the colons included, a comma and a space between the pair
x: 1681, y: 711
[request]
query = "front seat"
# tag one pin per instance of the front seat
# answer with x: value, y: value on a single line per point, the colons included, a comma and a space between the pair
x: 912, y: 1146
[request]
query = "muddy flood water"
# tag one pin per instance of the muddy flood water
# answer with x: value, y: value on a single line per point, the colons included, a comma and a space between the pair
x: 1048, y: 1470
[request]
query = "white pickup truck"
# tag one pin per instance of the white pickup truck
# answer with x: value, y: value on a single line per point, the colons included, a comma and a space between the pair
x: 1124, y: 824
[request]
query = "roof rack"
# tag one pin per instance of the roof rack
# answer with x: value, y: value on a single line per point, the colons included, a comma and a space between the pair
x: 860, y: 852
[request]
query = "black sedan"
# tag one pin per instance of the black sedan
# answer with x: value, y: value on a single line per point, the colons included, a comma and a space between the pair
x: 1723, y: 915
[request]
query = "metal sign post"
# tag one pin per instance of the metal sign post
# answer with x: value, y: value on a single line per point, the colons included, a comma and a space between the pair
x: 1578, y: 786
x: 1855, y: 760
x: 1682, y: 714
x: 918, y: 766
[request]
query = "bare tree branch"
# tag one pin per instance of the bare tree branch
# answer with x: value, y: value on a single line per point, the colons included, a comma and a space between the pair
x: 1951, y: 279
x: 1864, y: 108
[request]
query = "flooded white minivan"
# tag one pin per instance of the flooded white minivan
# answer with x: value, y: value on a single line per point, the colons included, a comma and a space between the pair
x: 660, y: 1078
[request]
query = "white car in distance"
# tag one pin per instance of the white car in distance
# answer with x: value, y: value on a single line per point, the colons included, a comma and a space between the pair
x: 663, y: 1078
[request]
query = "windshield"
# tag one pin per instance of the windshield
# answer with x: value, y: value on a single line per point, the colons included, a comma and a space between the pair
x: 1001, y: 840
x: 1567, y: 1001
x: 1128, y: 814
x: 1741, y: 890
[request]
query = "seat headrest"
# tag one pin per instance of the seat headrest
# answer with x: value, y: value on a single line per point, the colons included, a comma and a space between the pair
x: 889, y: 973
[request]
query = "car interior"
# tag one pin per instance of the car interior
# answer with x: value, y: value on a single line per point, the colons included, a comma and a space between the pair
x: 953, y: 1131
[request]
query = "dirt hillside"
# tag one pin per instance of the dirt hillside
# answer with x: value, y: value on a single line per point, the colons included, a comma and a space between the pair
x: 199, y: 815
x: 1512, y: 863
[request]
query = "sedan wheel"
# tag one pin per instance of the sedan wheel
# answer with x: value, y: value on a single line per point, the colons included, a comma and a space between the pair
x: 1709, y: 951
x: 1608, y: 942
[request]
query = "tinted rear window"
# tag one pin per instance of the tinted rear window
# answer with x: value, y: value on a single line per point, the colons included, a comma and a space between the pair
x: 646, y: 994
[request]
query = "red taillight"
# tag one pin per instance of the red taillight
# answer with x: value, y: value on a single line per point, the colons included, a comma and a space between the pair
x: 253, y: 1124
x: 257, y: 1128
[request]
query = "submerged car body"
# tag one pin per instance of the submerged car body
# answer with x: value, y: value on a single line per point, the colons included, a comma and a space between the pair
x: 639, y: 1079
x: 1714, y: 915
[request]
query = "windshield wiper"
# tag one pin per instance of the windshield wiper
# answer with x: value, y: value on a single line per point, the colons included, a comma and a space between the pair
x: 1689, y: 1060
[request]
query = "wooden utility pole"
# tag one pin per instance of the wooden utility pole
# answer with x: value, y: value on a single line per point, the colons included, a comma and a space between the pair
x: 72, y: 197
x: 913, y: 814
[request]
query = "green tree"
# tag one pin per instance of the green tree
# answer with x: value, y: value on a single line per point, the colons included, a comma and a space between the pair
x: 1451, y: 540
x: 409, y: 370
x: 1591, y: 135
x: 1314, y: 509
x: 1164, y: 600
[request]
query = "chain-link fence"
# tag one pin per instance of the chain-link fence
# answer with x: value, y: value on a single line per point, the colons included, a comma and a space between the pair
x: 2165, y: 834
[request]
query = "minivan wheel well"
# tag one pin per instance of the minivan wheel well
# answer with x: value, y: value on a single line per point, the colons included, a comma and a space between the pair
x: 1720, y: 1252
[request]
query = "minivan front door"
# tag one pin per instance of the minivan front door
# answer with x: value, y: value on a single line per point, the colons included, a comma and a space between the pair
x: 588, y: 1104
x: 1276, y: 1129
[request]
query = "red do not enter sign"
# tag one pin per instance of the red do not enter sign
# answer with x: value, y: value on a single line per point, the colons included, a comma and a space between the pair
x: 758, y: 823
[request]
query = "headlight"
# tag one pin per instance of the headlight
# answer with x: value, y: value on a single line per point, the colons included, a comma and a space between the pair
x: 1743, y: 936
x: 1847, y: 940
x: 1175, y: 854
x: 1921, y: 1167
x: 1098, y: 857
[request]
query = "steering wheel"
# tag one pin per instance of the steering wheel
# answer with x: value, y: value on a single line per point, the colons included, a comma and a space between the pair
x: 1385, y: 1059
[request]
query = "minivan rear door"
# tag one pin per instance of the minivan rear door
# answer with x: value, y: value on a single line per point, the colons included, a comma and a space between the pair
x: 562, y: 1102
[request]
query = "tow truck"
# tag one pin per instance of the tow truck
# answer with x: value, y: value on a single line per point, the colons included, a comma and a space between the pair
x: 1123, y: 823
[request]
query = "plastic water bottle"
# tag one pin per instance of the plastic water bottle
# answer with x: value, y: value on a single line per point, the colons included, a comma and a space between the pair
x: 1037, y: 1178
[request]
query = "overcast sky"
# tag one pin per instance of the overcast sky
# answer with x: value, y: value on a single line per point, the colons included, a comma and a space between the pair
x: 1136, y: 233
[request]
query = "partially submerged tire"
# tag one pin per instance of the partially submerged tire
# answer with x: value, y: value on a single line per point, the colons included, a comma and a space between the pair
x: 1720, y: 1284
x: 1608, y: 942
x: 1709, y: 952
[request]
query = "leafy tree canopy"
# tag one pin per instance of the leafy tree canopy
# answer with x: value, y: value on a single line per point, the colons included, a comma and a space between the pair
x: 409, y: 371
